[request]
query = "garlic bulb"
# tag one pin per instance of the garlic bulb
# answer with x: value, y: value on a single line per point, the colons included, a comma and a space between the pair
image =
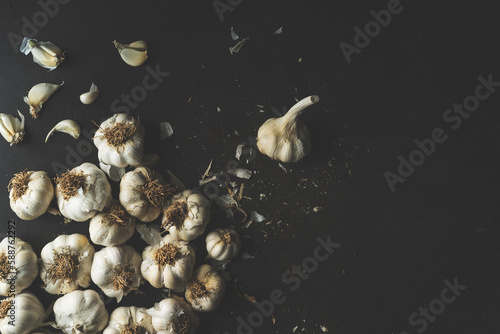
x: 90, y: 96
x: 11, y: 128
x: 22, y: 314
x: 65, y: 263
x: 143, y: 193
x: 30, y: 194
x: 188, y: 215
x: 120, y: 141
x: 18, y: 266
x: 80, y: 312
x: 166, y: 262
x: 113, y: 227
x: 205, y: 289
x: 223, y: 244
x: 44, y: 54
x: 134, y: 54
x: 38, y: 95
x: 82, y: 192
x: 117, y: 270
x: 129, y: 320
x: 286, y: 138
x: 175, y: 316
x: 66, y: 126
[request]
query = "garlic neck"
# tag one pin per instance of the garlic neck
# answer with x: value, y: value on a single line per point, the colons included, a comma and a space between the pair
x: 297, y: 109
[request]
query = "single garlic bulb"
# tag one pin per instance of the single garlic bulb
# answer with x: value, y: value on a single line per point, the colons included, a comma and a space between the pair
x: 80, y: 312
x: 205, y: 289
x: 286, y: 138
x: 167, y: 262
x: 44, y: 54
x: 134, y: 54
x: 18, y: 266
x: 113, y: 227
x: 117, y: 270
x: 82, y: 192
x: 129, y: 320
x: 223, y: 244
x: 11, y: 128
x: 143, y: 193
x: 90, y: 96
x: 65, y: 263
x: 21, y: 314
x: 188, y: 215
x: 38, y: 95
x: 175, y: 316
x: 30, y: 194
x: 67, y: 126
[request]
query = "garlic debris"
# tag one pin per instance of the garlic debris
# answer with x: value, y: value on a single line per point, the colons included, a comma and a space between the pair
x: 134, y: 54
x: 82, y: 192
x: 188, y: 215
x: 18, y: 266
x: 286, y: 138
x: 117, y: 270
x: 44, y: 54
x: 30, y: 194
x: 113, y: 227
x: 65, y: 263
x: 11, y: 128
x: 175, y: 316
x: 67, y: 126
x: 21, y: 314
x: 38, y: 95
x: 129, y: 320
x: 120, y: 141
x: 90, y: 96
x: 143, y: 193
x: 204, y: 291
x: 80, y: 312
x: 223, y: 244
x: 166, y: 262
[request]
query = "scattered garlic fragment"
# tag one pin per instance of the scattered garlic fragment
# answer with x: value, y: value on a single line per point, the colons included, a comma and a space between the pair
x: 205, y: 289
x: 134, y: 54
x: 38, y: 95
x: 66, y: 126
x: 113, y: 227
x: 173, y: 315
x: 130, y: 320
x: 11, y: 128
x: 223, y: 244
x: 238, y: 46
x: 18, y: 272
x: 44, y: 54
x: 21, y: 314
x: 90, y: 96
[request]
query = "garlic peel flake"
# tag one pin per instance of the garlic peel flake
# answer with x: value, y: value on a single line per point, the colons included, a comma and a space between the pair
x: 67, y: 126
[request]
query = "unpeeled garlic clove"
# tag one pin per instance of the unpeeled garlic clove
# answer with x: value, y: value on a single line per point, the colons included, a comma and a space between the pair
x: 11, y: 128
x: 90, y: 96
x: 134, y: 54
x: 44, y: 54
x: 38, y: 95
x: 66, y: 126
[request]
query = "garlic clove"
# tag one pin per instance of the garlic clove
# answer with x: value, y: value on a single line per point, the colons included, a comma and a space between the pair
x: 11, y: 128
x: 134, y: 54
x: 66, y: 126
x: 45, y: 54
x: 38, y: 95
x: 90, y: 96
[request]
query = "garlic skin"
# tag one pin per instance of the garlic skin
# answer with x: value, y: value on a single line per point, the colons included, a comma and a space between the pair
x: 38, y: 95
x: 67, y: 126
x: 30, y: 194
x: 44, y: 54
x: 174, y: 316
x: 28, y: 315
x: 25, y: 264
x: 286, y: 139
x: 129, y: 318
x: 92, y: 194
x: 188, y: 215
x: 205, y: 289
x: 80, y: 312
x: 117, y: 270
x: 113, y: 227
x: 59, y: 277
x: 223, y: 244
x: 11, y: 128
x: 134, y: 54
x: 90, y: 96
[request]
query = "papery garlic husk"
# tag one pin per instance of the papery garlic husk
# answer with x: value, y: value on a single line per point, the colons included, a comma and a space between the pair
x: 173, y: 315
x: 223, y: 244
x: 205, y: 289
x: 130, y: 320
x: 38, y: 95
x: 188, y: 215
x: 120, y: 141
x: 286, y: 139
x: 83, y: 192
x: 67, y: 126
x: 117, y: 270
x: 65, y: 263
x: 21, y: 314
x: 11, y: 128
x: 18, y: 266
x: 80, y: 312
x: 112, y: 227
x: 167, y: 262
x: 144, y: 193
x: 30, y: 194
x: 44, y: 54
x: 134, y: 54
x: 90, y: 96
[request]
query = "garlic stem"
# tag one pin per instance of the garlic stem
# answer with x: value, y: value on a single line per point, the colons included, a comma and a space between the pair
x: 297, y: 109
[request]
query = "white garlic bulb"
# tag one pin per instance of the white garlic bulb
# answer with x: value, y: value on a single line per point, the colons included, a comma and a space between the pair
x: 134, y: 54
x: 80, y: 312
x: 120, y: 141
x: 223, y: 244
x: 286, y: 138
x: 38, y: 95
x: 44, y: 54
x: 188, y: 215
x: 65, y: 263
x: 129, y: 320
x: 21, y: 314
x: 82, y: 192
x: 90, y: 96
x: 143, y: 193
x: 167, y: 262
x: 174, y: 315
x: 117, y: 270
x: 205, y: 289
x: 113, y: 227
x: 18, y: 266
x: 11, y: 128
x: 30, y: 194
